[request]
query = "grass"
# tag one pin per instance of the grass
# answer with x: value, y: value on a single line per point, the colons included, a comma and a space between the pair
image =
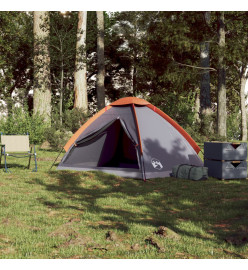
x: 65, y: 214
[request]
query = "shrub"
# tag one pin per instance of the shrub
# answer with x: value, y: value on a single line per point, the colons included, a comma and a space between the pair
x: 21, y: 122
x: 178, y: 107
x: 59, y: 133
x: 57, y: 138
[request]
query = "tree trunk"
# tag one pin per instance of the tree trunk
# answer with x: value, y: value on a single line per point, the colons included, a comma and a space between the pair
x: 80, y: 81
x: 61, y: 94
x: 42, y: 80
x: 134, y: 81
x: 100, y: 61
x: 205, y: 99
x: 197, y: 107
x: 221, y: 104
x: 242, y: 106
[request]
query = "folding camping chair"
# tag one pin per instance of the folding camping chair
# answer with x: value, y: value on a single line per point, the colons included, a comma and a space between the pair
x: 16, y: 146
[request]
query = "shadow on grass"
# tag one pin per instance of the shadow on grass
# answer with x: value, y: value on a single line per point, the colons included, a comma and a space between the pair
x: 168, y: 202
x: 210, y: 210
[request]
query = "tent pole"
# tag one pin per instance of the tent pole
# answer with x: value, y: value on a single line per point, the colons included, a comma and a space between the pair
x: 140, y: 144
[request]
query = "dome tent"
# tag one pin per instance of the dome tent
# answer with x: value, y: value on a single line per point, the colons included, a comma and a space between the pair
x: 130, y: 138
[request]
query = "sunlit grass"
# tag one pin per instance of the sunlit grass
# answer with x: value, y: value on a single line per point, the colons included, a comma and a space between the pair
x: 62, y: 214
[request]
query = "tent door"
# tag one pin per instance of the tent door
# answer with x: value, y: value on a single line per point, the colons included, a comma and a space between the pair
x: 119, y: 147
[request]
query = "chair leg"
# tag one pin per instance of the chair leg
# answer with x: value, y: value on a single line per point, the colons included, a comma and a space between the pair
x: 35, y: 160
x: 30, y: 158
x: 5, y: 163
x: 5, y: 159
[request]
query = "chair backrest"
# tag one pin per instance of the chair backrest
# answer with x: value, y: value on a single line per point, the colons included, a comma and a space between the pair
x: 15, y: 143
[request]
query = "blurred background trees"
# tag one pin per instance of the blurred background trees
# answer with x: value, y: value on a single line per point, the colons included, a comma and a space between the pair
x: 179, y: 61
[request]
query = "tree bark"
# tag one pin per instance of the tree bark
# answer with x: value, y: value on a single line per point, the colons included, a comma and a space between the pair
x: 61, y: 94
x: 242, y: 105
x: 221, y: 104
x: 80, y: 81
x: 205, y: 101
x: 100, y: 61
x: 197, y: 107
x: 42, y: 80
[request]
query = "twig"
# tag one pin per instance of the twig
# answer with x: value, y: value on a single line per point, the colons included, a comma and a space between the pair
x: 203, y: 68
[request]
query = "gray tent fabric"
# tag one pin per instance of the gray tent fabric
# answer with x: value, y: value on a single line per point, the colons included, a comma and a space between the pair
x: 108, y: 149
x: 163, y: 146
x: 125, y: 113
x: 130, y: 141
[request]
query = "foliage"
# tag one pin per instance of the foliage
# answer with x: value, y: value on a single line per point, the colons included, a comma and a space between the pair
x: 234, y: 125
x: 57, y: 138
x: 21, y: 122
x: 59, y: 133
x: 16, y: 50
x: 153, y: 55
x: 63, y: 54
x: 178, y: 107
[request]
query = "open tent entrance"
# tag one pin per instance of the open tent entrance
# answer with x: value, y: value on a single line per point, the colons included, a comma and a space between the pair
x: 118, y: 149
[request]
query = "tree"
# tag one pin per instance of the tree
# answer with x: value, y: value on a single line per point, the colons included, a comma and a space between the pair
x: 221, y: 104
x: 100, y: 61
x: 63, y: 30
x: 237, y: 57
x: 16, y: 58
x: 205, y: 101
x: 80, y: 81
x: 243, y: 79
x: 42, y: 80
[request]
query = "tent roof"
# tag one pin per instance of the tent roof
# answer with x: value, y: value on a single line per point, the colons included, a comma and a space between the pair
x: 130, y: 100
x: 136, y: 101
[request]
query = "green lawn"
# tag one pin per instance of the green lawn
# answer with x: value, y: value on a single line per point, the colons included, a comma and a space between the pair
x: 62, y: 214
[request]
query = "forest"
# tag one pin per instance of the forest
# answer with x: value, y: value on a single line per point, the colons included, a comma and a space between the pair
x: 57, y: 69
x: 114, y: 194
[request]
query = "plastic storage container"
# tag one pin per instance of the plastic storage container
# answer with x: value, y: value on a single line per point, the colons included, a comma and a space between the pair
x: 226, y: 169
x: 225, y: 151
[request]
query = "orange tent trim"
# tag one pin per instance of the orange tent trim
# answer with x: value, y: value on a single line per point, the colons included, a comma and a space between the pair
x: 134, y: 101
x: 83, y: 127
x: 130, y: 100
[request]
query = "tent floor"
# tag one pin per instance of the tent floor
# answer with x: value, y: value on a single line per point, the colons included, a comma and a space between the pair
x: 123, y: 172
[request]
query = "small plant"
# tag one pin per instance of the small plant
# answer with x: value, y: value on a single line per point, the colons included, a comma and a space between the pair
x: 21, y: 122
x: 59, y: 133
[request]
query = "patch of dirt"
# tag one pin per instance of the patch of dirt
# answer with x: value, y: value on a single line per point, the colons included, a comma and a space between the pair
x: 13, y: 222
x: 97, y: 248
x: 52, y: 213
x: 154, y: 242
x: 66, y: 230
x: 238, y: 239
x: 45, y: 145
x: 111, y: 236
x: 241, y: 256
x: 223, y: 226
x: 135, y: 247
x: 167, y: 233
x: 78, y: 241
x: 6, y: 221
x: 35, y: 229
x: 182, y: 255
x: 4, y: 238
x: 9, y: 250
